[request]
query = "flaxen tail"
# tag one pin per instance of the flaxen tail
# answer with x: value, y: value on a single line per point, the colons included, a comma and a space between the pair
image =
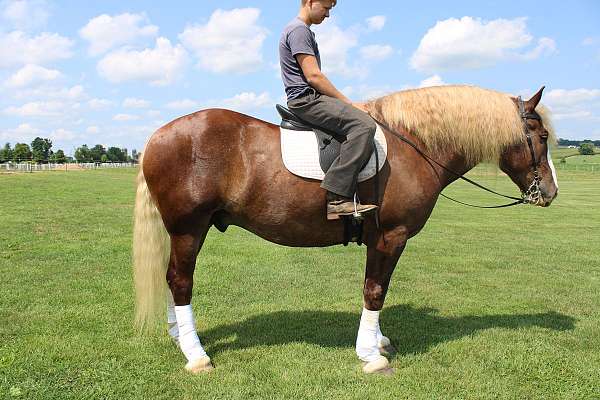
x: 151, y: 249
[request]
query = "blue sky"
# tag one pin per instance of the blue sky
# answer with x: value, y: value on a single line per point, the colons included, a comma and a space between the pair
x: 111, y: 72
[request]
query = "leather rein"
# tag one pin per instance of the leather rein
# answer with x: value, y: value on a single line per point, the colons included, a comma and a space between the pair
x: 533, y: 194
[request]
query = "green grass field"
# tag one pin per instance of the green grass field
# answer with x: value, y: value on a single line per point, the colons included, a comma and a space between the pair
x: 562, y: 152
x: 500, y: 304
x: 579, y: 159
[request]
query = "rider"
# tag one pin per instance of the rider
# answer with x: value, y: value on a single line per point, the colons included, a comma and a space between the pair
x: 312, y: 97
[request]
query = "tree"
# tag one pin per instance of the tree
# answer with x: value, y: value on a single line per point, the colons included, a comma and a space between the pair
x: 6, y: 153
x: 41, y: 149
x: 134, y: 155
x: 82, y: 154
x: 104, y: 158
x: 22, y: 152
x: 115, y: 154
x: 97, y: 151
x: 59, y: 157
x: 586, y: 149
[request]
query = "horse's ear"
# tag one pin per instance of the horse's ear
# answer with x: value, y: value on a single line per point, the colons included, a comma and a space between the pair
x: 532, y: 103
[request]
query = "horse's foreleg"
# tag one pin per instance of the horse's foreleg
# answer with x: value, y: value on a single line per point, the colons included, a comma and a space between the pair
x: 381, y: 261
x: 180, y: 274
x: 172, y: 319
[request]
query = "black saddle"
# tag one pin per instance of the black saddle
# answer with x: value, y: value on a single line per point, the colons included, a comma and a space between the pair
x: 329, y: 142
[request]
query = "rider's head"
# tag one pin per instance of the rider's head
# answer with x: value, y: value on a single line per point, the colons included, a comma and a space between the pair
x: 315, y: 11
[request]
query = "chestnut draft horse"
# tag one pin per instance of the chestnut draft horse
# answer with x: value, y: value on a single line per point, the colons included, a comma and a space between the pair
x: 218, y: 167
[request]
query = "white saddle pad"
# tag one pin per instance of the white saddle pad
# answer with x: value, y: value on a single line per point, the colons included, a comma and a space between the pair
x: 299, y: 150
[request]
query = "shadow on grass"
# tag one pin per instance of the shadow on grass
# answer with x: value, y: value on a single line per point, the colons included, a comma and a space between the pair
x: 412, y: 330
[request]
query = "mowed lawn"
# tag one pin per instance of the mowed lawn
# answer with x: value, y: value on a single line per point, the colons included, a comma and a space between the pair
x: 501, y: 304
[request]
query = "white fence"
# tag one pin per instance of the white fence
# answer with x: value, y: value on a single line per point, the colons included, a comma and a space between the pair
x: 31, y: 167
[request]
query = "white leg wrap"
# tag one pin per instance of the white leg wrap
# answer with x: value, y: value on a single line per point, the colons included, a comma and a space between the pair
x: 367, y: 348
x: 188, y: 338
x: 172, y: 318
x: 379, y: 334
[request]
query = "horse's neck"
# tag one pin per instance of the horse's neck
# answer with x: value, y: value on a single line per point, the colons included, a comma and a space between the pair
x: 455, y: 162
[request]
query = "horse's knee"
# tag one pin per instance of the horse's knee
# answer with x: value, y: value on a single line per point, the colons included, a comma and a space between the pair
x: 374, y: 295
x: 181, y: 287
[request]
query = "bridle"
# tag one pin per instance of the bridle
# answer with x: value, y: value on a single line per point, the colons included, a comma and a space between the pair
x: 533, y: 194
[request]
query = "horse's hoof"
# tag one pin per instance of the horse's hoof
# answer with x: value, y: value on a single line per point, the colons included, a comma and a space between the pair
x: 199, y: 366
x: 385, y: 346
x: 380, y: 365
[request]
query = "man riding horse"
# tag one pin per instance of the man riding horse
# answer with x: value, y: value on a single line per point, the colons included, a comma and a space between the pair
x: 313, y: 98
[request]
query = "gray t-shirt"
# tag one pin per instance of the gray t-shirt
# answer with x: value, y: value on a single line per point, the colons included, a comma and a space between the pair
x: 297, y: 38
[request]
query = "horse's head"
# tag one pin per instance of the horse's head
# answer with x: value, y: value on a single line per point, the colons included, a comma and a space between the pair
x: 528, y: 162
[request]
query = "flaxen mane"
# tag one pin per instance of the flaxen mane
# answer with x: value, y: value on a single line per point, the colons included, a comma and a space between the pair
x: 478, y: 123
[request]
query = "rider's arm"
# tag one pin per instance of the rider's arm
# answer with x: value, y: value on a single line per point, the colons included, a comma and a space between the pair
x: 317, y: 79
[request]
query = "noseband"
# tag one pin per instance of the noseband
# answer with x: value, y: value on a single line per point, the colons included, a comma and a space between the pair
x: 533, y: 195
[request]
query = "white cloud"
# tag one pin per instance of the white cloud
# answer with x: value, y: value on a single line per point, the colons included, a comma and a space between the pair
x: 37, y: 109
x: 591, y: 41
x: 566, y: 98
x: 100, y: 104
x: 76, y: 92
x: 366, y: 92
x: 572, y: 115
x: 376, y: 23
x: 61, y: 134
x: 25, y: 14
x: 125, y: 117
x: 242, y: 102
x: 468, y: 43
x: 160, y: 66
x: 105, y: 32
x: 230, y: 42
x: 338, y: 49
x: 334, y: 46
x: 183, y: 104
x: 31, y: 74
x: 92, y: 129
x: 16, y: 48
x: 576, y: 104
x: 434, y: 80
x: 132, y: 102
x: 24, y: 133
x: 376, y: 52
x: 546, y: 46
x: 247, y: 101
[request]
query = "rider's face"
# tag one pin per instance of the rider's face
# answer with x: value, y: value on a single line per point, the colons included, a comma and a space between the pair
x: 319, y: 10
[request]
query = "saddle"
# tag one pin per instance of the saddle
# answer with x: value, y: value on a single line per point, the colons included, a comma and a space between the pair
x: 309, y: 151
x: 329, y: 142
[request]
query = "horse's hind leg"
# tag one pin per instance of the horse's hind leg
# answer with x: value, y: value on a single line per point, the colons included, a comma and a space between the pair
x: 180, y: 275
x: 381, y: 261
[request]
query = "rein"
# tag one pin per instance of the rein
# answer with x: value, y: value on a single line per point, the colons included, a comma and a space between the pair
x: 533, y: 193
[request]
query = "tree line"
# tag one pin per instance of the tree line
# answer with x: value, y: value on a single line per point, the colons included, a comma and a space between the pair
x: 577, y: 143
x: 41, y: 152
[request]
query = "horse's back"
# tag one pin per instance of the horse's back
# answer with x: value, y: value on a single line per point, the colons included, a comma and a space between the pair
x: 196, y: 160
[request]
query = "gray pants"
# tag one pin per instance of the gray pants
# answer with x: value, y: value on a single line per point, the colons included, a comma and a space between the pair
x: 346, y: 120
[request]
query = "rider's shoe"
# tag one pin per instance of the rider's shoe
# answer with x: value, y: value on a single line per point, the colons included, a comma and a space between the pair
x: 338, y: 208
